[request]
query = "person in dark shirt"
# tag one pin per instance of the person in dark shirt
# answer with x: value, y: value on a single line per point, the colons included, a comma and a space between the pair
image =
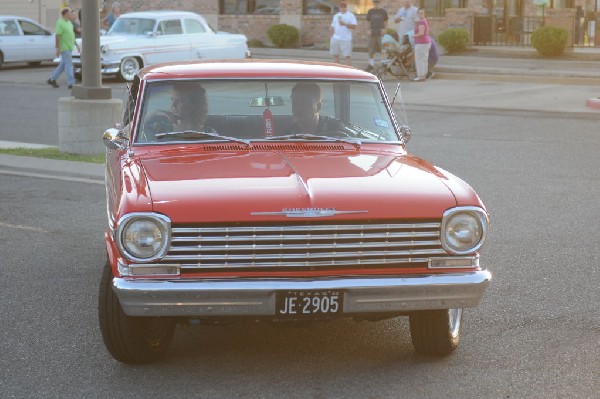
x: 377, y: 18
x: 306, y: 110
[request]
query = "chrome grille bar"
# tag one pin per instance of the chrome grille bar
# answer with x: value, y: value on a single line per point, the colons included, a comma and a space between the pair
x: 310, y: 246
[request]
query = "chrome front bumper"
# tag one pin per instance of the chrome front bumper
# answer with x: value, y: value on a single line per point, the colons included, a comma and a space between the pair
x: 105, y: 69
x: 256, y: 297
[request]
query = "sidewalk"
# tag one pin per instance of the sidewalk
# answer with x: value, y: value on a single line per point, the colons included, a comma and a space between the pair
x: 509, y: 64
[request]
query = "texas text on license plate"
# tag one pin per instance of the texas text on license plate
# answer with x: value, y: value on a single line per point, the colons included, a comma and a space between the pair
x: 308, y: 304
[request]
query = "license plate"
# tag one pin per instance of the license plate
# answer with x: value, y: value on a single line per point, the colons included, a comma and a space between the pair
x: 308, y: 304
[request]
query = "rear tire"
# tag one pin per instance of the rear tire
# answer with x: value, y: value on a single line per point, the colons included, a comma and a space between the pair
x: 435, y: 332
x: 131, y: 339
x: 129, y: 68
x: 1, y: 59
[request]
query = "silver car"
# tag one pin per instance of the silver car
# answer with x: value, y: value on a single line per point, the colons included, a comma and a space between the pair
x: 143, y: 38
x: 24, y: 40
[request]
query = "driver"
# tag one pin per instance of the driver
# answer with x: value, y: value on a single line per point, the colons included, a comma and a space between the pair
x: 306, y: 110
x: 189, y: 110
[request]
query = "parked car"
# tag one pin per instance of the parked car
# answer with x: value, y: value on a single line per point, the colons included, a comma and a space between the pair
x: 144, y: 38
x: 24, y: 40
x: 226, y: 200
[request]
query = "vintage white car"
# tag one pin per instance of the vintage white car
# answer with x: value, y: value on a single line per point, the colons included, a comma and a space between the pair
x: 24, y: 40
x: 143, y: 38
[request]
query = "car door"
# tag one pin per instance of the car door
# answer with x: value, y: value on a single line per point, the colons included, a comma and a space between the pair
x: 39, y: 42
x: 12, y: 41
x: 201, y: 39
x: 170, y: 44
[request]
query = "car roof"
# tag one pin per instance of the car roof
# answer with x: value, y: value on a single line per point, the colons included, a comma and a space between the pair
x: 17, y: 17
x: 160, y: 14
x: 250, y: 68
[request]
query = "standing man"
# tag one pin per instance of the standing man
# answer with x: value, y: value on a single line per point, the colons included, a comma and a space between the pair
x: 406, y: 16
x: 344, y: 22
x: 377, y: 18
x: 65, y: 43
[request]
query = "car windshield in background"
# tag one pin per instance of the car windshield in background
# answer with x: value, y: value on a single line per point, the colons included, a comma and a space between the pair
x: 132, y: 26
x: 258, y: 110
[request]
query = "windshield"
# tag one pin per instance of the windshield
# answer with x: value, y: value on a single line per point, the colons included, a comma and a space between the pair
x: 258, y: 110
x: 132, y: 26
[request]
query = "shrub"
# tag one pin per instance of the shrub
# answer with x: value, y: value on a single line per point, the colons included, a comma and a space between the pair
x: 255, y: 43
x: 283, y: 35
x: 454, y: 40
x: 549, y: 41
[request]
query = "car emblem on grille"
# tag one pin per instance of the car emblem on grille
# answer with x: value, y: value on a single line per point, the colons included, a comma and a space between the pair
x: 306, y: 212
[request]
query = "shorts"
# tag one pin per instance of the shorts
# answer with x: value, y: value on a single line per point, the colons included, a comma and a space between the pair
x: 340, y: 47
x: 374, y: 45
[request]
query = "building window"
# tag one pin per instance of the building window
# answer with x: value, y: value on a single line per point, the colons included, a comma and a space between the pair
x: 256, y: 7
x: 330, y: 7
x: 437, y: 8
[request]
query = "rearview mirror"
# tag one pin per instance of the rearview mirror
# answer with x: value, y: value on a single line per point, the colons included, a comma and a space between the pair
x: 269, y: 101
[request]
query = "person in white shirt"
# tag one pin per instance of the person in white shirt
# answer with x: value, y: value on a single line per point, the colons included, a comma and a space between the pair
x: 342, y: 25
x: 406, y: 16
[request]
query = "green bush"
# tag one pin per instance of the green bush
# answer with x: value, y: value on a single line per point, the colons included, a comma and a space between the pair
x: 549, y: 41
x: 283, y: 35
x: 454, y: 40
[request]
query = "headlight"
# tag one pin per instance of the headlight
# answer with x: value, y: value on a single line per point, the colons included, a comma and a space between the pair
x: 464, y: 229
x: 144, y: 237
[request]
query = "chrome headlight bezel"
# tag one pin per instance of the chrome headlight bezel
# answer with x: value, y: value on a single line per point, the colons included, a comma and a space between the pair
x: 478, y: 215
x: 162, y: 222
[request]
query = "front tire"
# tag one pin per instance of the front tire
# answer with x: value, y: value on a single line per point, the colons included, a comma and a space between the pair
x: 435, y: 332
x: 129, y: 68
x: 131, y: 339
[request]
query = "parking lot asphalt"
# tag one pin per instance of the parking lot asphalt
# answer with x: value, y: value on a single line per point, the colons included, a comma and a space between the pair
x: 490, y: 80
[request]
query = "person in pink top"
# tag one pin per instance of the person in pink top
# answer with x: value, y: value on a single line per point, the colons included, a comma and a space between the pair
x: 422, y: 45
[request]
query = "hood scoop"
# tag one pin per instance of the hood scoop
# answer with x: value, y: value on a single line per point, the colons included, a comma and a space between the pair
x: 274, y: 147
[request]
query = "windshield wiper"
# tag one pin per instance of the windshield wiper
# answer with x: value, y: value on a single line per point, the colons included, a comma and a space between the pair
x: 306, y: 136
x: 192, y: 134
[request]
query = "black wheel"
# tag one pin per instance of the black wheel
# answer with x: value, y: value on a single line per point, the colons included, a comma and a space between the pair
x: 1, y: 58
x: 130, y: 66
x: 435, y: 332
x: 77, y: 76
x: 131, y: 339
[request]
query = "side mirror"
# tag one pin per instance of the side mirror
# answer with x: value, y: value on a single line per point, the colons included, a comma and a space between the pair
x: 151, y: 34
x: 114, y: 139
x: 405, y: 133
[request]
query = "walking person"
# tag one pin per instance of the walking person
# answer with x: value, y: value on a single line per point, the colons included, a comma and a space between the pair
x: 65, y: 44
x: 406, y: 17
x: 342, y: 25
x: 377, y: 18
x: 422, y: 46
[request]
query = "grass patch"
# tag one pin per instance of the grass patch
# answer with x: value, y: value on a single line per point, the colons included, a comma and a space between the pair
x: 52, y: 153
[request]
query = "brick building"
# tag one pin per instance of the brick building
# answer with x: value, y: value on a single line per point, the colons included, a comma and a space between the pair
x: 499, y: 22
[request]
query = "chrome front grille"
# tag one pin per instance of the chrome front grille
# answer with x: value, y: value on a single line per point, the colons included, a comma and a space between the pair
x: 308, y: 245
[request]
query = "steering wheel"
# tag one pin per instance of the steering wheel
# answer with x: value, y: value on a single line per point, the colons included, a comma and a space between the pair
x: 160, y: 122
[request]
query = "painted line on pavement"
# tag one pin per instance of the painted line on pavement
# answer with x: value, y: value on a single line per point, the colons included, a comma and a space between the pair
x: 45, y: 176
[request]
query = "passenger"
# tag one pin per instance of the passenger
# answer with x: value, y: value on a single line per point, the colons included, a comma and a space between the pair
x: 306, y: 110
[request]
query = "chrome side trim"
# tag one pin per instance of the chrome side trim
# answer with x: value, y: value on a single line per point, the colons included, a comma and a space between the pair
x: 256, y: 297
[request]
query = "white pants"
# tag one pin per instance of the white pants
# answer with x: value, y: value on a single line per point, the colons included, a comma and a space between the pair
x: 422, y: 59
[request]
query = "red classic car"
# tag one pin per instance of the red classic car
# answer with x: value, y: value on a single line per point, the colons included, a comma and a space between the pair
x: 279, y: 191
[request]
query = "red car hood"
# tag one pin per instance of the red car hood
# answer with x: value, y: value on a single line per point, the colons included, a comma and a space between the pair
x: 259, y: 185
